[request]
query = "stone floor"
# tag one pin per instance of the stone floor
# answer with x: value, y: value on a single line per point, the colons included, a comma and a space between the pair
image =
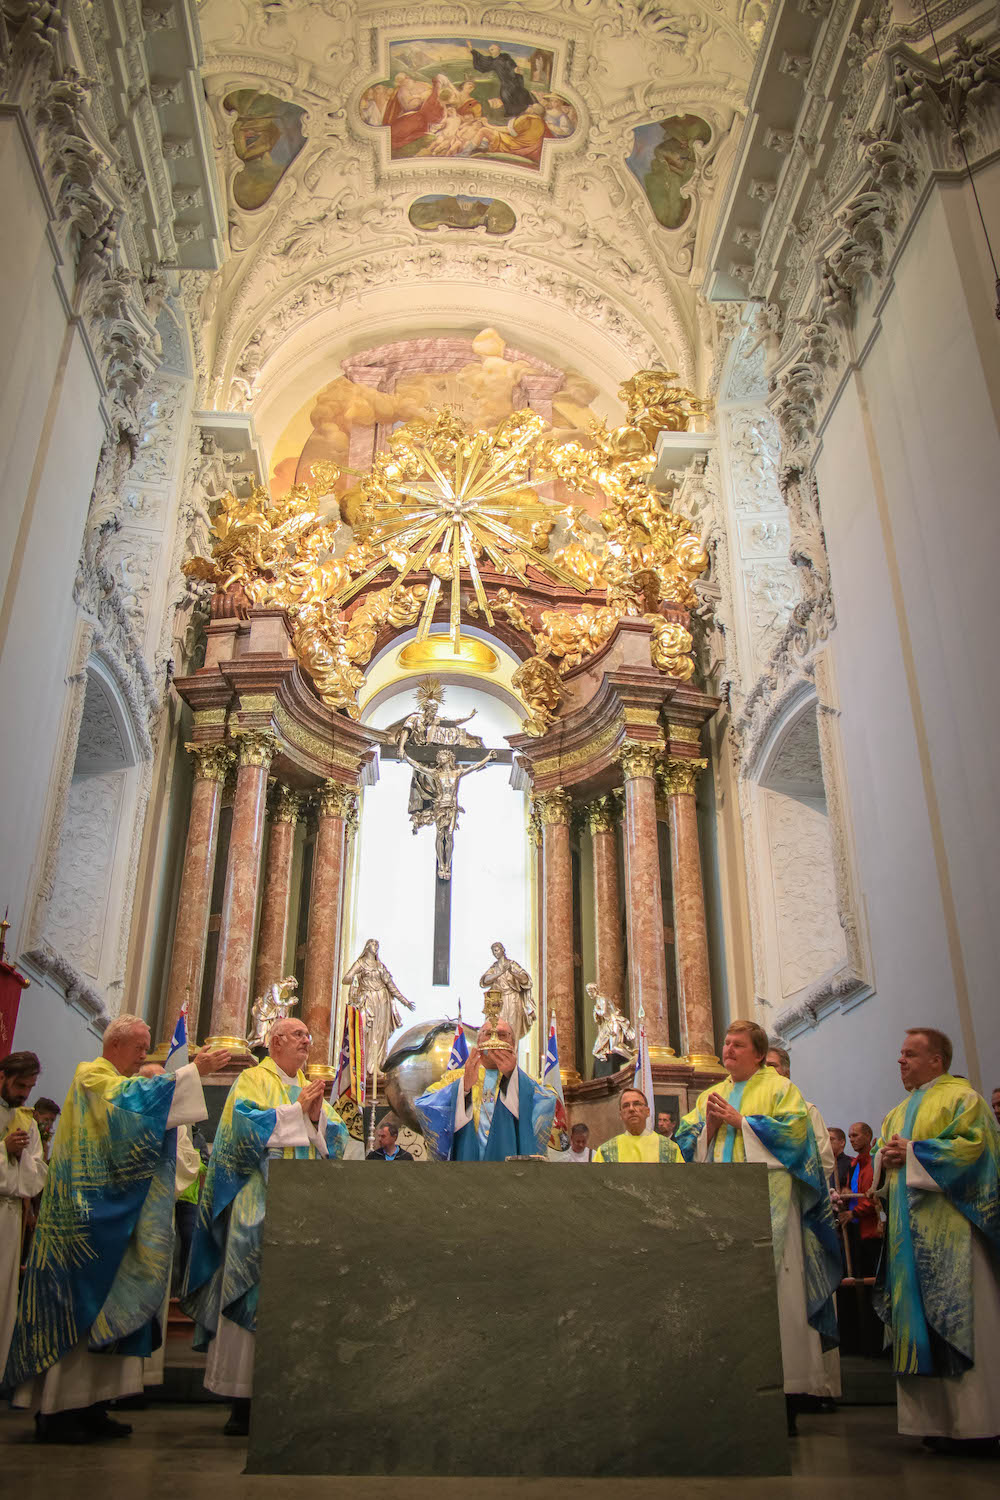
x: 854, y: 1454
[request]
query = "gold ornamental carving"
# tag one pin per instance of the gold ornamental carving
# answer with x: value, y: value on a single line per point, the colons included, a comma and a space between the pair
x: 537, y: 681
x: 679, y: 776
x: 213, y: 716
x: 689, y: 734
x: 255, y: 747
x: 646, y: 717
x: 591, y: 750
x: 555, y: 807
x: 256, y: 703
x: 602, y: 815
x: 313, y: 744
x: 333, y: 800
x: 286, y: 805
x: 447, y: 504
x: 211, y: 762
x: 639, y: 758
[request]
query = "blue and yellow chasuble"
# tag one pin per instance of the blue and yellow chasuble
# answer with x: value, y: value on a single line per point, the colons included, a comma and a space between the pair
x: 101, y: 1254
x: 492, y: 1133
x: 223, y: 1274
x: 925, y: 1291
x: 776, y: 1112
x: 648, y: 1147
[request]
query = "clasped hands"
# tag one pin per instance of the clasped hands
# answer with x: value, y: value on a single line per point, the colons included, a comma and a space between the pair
x: 15, y: 1143
x: 505, y: 1062
x: 894, y: 1151
x: 310, y: 1100
x: 719, y: 1111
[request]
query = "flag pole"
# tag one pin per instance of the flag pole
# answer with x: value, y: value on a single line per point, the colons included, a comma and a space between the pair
x: 371, y: 1125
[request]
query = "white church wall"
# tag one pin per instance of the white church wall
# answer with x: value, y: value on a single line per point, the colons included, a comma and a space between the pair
x: 908, y: 489
x: 59, y: 1034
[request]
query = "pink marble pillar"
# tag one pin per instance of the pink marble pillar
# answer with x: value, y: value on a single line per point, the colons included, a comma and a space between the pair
x: 647, y: 966
x: 273, y: 933
x: 690, y: 932
x: 609, y: 969
x: 334, y: 805
x: 187, y: 961
x: 554, y: 810
x: 231, y: 1001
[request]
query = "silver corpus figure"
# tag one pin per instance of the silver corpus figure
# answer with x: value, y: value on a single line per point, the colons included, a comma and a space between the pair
x: 513, y: 984
x: 615, y: 1032
x: 374, y: 992
x: 434, y: 799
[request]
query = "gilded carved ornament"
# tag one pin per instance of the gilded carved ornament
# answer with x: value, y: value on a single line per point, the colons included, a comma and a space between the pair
x: 603, y: 815
x: 555, y: 807
x: 639, y: 758
x: 447, y: 502
x: 332, y: 800
x: 255, y: 747
x: 538, y: 683
x: 286, y: 805
x: 211, y: 762
x: 679, y: 776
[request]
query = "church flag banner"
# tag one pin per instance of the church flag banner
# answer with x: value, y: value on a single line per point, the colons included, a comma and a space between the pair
x: 643, y: 1079
x: 459, y: 1055
x: 552, y: 1079
x: 342, y: 1082
x: 357, y: 1073
x: 11, y: 984
x: 177, y: 1057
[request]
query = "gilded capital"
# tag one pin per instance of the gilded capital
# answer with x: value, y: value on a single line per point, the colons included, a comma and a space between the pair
x: 679, y: 776
x: 286, y: 805
x: 602, y: 815
x: 639, y: 758
x: 334, y: 800
x: 255, y: 747
x: 553, y: 807
x: 211, y: 762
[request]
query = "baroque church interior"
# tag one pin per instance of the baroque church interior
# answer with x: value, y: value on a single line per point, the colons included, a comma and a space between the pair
x: 597, y: 401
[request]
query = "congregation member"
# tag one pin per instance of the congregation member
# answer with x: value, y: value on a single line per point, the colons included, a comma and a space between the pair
x: 271, y: 1111
x: 488, y: 1110
x: 937, y: 1168
x: 779, y: 1059
x: 22, y: 1176
x: 580, y: 1150
x: 840, y: 1172
x: 863, y: 1221
x: 757, y: 1115
x: 46, y: 1113
x: 100, y: 1259
x: 666, y: 1123
x: 636, y: 1143
x: 388, y: 1148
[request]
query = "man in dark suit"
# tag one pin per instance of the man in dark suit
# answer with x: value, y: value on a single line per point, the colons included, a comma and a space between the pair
x: 389, y: 1148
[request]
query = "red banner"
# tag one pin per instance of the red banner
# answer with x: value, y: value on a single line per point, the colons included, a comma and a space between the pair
x: 11, y: 985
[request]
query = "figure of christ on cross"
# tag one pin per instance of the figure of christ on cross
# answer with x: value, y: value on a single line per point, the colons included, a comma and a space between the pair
x: 434, y: 799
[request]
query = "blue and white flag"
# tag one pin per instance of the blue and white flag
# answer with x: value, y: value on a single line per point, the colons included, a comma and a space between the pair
x: 552, y: 1079
x: 178, y: 1055
x: 643, y: 1079
x: 459, y: 1050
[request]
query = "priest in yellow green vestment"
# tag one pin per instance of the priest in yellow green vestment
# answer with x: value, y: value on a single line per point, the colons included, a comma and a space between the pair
x: 940, y: 1277
x: 636, y: 1143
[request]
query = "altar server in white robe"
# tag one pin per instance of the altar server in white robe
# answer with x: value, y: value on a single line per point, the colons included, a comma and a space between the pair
x: 100, y: 1258
x: 22, y: 1175
x: 755, y: 1115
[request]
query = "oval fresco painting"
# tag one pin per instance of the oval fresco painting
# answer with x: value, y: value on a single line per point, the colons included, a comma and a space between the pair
x: 456, y: 211
x: 448, y: 97
x: 267, y: 136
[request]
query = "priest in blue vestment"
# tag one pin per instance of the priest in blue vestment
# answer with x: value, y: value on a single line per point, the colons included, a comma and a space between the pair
x: 488, y: 1110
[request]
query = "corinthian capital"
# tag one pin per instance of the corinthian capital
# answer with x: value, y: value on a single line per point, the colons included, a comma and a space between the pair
x: 334, y: 800
x: 553, y: 807
x: 286, y: 805
x: 639, y: 758
x: 602, y: 815
x: 256, y: 747
x: 211, y: 762
x: 679, y: 776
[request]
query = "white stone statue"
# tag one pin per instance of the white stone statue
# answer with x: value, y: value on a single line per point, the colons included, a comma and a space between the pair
x: 373, y: 991
x: 274, y: 1005
x: 517, y: 1007
x: 615, y: 1032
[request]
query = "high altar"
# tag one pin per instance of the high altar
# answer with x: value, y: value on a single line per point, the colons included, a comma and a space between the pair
x: 564, y: 557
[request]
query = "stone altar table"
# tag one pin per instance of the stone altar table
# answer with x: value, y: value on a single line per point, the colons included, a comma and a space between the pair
x: 517, y: 1319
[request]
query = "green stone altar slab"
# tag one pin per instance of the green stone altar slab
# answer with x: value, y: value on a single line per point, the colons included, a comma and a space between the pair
x: 517, y: 1319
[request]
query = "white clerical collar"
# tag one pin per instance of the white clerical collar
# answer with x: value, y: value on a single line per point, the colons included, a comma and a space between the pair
x: 288, y: 1079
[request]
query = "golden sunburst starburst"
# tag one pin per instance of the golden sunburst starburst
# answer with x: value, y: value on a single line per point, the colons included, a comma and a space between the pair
x: 442, y: 498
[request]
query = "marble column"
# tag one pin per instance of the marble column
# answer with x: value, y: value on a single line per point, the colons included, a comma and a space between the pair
x: 187, y: 961
x: 694, y: 993
x: 231, y: 1001
x: 609, y: 973
x: 334, y: 806
x: 647, y: 964
x: 272, y: 936
x: 554, y: 810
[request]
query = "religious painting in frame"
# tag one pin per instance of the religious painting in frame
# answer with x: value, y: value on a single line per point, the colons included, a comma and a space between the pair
x: 663, y: 159
x: 459, y: 211
x: 267, y: 137
x: 452, y: 98
x: 666, y: 1104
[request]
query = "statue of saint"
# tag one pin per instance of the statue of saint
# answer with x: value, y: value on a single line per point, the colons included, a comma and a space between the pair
x: 274, y: 1005
x: 514, y: 987
x: 434, y: 799
x: 425, y: 726
x: 615, y: 1032
x: 373, y: 991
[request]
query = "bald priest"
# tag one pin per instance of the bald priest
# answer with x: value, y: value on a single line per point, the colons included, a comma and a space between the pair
x: 488, y: 1110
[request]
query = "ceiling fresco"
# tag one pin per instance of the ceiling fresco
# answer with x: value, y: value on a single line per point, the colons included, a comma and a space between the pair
x: 552, y: 169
